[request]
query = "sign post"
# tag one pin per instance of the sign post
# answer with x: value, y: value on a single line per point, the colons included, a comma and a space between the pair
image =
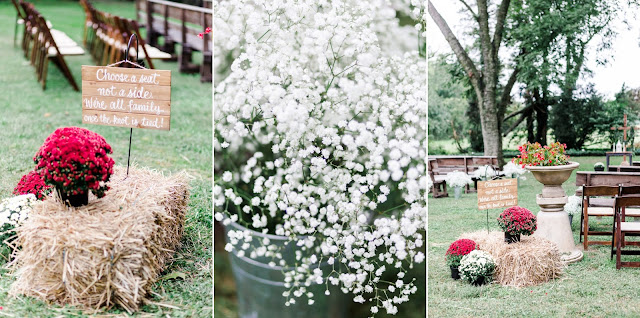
x: 497, y: 194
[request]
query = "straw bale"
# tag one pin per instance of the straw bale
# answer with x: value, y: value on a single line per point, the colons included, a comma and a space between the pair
x: 108, y: 252
x: 532, y: 261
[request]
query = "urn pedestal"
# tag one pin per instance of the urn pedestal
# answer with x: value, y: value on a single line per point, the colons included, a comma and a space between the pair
x: 553, y: 221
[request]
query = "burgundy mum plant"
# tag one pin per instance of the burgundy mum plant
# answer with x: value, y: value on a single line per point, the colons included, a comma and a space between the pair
x: 33, y: 183
x: 75, y: 160
x: 517, y: 220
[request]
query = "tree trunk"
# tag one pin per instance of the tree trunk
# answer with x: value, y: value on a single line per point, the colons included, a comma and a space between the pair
x: 485, y: 80
x: 542, y: 118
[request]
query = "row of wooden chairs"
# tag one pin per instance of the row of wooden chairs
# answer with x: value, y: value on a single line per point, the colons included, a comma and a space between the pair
x: 619, y: 202
x: 106, y: 37
x: 42, y: 44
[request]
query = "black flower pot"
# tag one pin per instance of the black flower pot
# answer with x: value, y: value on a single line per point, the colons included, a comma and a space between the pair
x: 598, y: 168
x: 455, y: 273
x: 479, y: 282
x: 509, y: 238
x: 74, y: 200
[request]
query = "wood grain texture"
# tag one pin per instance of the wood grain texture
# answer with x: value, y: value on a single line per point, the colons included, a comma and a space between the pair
x: 126, y: 120
x: 497, y: 194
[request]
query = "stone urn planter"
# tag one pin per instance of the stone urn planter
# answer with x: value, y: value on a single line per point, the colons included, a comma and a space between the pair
x: 553, y: 221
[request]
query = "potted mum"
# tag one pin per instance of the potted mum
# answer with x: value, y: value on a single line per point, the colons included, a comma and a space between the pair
x: 75, y: 162
x: 13, y: 211
x: 598, y: 166
x: 320, y: 140
x: 516, y: 221
x: 456, y: 251
x: 458, y: 180
x: 477, y: 267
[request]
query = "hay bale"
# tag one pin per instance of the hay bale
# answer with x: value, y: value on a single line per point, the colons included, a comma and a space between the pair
x: 108, y: 252
x: 532, y: 261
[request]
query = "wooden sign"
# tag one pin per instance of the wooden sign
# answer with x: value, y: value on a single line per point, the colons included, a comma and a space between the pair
x: 497, y: 194
x: 126, y: 97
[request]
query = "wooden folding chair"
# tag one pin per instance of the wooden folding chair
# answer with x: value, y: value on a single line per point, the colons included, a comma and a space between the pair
x: 588, y: 210
x: 20, y: 20
x: 90, y: 24
x: 52, y: 51
x: 622, y: 228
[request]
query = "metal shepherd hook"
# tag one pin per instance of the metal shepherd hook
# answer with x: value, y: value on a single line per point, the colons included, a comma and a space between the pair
x: 126, y: 58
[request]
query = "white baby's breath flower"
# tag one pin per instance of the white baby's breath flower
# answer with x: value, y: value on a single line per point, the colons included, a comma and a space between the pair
x: 321, y: 117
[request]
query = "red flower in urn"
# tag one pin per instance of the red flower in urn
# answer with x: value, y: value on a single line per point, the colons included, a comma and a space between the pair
x: 534, y: 154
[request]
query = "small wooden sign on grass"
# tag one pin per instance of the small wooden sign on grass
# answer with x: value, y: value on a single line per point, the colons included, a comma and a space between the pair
x: 497, y: 194
x: 126, y: 97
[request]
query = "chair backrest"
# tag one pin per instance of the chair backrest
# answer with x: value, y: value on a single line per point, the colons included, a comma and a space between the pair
x: 629, y: 190
x: 605, y: 190
x: 21, y: 13
x: 626, y: 201
x: 131, y: 26
x: 592, y: 178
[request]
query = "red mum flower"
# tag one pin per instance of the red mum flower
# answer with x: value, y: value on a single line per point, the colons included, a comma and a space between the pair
x: 72, y: 157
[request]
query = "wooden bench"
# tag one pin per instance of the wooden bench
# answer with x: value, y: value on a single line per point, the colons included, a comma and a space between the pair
x: 440, y: 166
x: 439, y: 184
x: 624, y: 169
x: 602, y: 206
x: 179, y: 24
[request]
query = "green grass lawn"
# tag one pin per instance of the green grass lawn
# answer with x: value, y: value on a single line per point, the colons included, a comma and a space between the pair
x: 30, y: 114
x: 589, y: 288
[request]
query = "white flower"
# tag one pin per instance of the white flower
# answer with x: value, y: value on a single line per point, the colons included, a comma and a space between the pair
x: 484, y: 172
x: 574, y: 205
x: 513, y: 170
x: 328, y: 104
x: 475, y: 265
x: 458, y: 179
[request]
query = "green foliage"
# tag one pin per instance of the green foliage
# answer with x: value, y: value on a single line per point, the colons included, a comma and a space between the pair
x: 573, y: 120
x: 447, y: 100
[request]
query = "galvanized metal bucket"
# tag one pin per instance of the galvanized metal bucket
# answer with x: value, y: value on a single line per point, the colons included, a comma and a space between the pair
x: 260, y: 286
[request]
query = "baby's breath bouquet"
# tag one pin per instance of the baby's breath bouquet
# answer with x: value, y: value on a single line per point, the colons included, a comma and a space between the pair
x: 320, y: 137
x: 477, y: 266
x: 574, y: 205
x: 513, y: 170
x: 458, y: 179
x: 485, y: 172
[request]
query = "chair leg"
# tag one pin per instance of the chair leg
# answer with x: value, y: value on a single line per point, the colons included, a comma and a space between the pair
x: 618, y: 248
x: 586, y: 232
x: 45, y: 68
x: 613, y: 236
x: 67, y: 73
x: 15, y: 32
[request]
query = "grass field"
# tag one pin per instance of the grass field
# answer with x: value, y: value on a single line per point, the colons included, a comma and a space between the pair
x: 30, y: 114
x: 589, y: 288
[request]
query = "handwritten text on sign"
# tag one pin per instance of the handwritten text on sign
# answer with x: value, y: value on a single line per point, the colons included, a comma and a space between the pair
x: 497, y: 194
x: 126, y: 97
